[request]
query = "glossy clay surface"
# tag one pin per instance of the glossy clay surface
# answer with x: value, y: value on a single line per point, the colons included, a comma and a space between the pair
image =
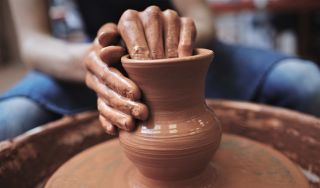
x: 182, y: 133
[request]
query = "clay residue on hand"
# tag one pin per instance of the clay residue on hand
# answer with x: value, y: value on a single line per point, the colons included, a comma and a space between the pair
x: 156, y: 34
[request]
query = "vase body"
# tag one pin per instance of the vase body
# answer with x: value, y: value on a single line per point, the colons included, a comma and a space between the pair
x: 182, y: 133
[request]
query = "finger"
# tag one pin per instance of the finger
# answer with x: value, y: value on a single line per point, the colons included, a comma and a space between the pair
x: 115, y: 117
x: 108, y: 35
x: 108, y: 127
x: 112, y: 54
x: 171, y: 33
x: 137, y: 110
x: 132, y: 32
x: 112, y: 77
x: 152, y: 22
x: 187, y: 37
x: 96, y: 47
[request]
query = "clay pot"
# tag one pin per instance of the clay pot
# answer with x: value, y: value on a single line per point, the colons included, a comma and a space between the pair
x: 182, y: 132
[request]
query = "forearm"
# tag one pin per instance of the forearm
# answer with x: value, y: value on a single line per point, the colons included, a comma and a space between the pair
x: 55, y: 57
x: 39, y: 49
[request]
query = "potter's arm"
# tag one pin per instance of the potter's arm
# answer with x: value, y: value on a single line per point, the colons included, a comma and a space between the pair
x: 39, y: 50
x: 203, y: 17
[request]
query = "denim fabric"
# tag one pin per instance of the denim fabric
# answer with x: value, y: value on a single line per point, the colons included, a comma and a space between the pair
x: 19, y: 114
x: 237, y: 72
x: 55, y: 95
x: 294, y: 84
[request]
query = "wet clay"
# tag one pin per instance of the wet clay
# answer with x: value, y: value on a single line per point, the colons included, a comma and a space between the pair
x: 182, y: 133
x: 239, y: 162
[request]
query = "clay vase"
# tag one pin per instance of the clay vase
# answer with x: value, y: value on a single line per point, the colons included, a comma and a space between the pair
x: 181, y: 134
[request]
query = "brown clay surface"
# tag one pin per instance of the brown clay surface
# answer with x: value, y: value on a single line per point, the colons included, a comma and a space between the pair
x: 182, y: 132
x: 238, y: 163
x: 295, y: 134
x: 67, y: 137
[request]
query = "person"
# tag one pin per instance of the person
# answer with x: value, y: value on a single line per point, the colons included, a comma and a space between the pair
x: 55, y: 86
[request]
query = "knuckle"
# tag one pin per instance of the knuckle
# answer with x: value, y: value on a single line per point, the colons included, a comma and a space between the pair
x: 133, y: 92
x: 140, y: 52
x: 90, y: 83
x: 153, y: 10
x: 170, y: 13
x: 140, y: 111
x: 129, y: 15
x: 104, y: 74
x: 100, y: 105
x: 90, y: 59
x: 152, y: 13
x: 187, y: 20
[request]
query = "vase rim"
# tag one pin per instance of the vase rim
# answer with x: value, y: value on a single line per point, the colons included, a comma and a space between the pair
x: 200, y: 53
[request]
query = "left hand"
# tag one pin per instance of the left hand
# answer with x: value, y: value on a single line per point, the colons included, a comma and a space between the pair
x: 117, y: 95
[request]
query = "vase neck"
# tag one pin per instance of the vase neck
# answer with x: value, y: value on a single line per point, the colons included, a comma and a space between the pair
x: 175, y: 95
x: 171, y: 85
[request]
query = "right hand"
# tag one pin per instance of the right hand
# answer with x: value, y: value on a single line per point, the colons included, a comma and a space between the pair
x: 156, y: 34
x: 117, y: 95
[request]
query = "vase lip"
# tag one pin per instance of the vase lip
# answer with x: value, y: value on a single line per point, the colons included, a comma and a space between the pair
x: 200, y: 53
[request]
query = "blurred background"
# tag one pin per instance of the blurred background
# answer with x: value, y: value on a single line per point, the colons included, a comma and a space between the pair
x: 292, y: 27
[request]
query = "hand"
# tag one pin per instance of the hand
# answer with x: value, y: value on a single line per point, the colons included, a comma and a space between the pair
x: 117, y: 95
x: 153, y: 34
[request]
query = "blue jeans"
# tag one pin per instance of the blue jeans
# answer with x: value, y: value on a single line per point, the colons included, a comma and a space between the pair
x: 20, y: 114
x: 293, y: 84
x: 237, y: 73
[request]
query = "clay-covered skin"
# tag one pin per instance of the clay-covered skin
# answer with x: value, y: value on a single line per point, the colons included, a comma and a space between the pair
x: 150, y: 34
x: 153, y: 34
x: 181, y: 133
x: 117, y: 95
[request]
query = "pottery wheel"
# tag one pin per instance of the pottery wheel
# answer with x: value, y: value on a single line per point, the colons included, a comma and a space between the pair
x: 239, y: 162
